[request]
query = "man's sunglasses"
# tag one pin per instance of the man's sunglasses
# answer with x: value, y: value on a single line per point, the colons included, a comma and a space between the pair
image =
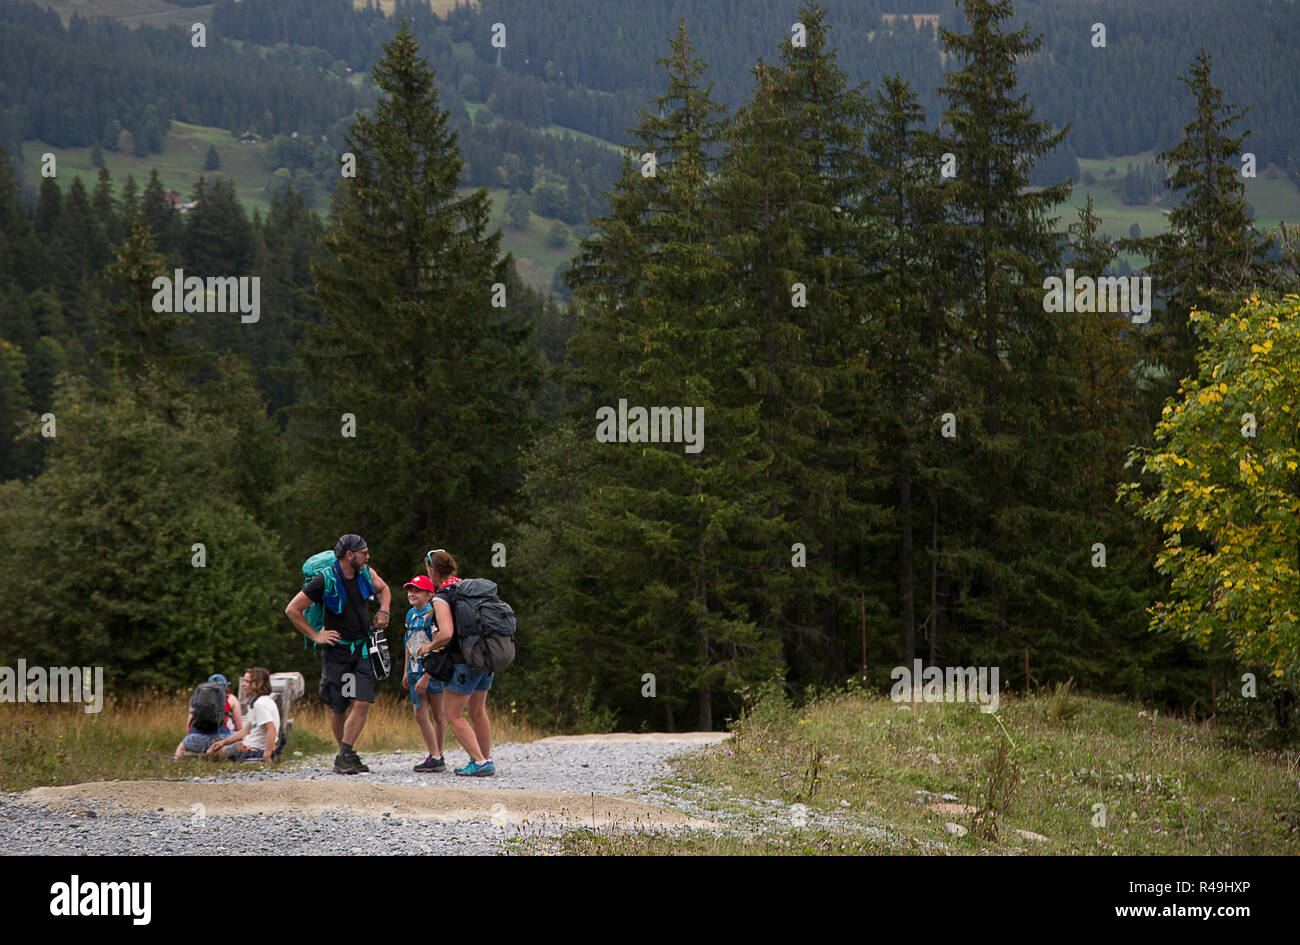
x: 429, y: 555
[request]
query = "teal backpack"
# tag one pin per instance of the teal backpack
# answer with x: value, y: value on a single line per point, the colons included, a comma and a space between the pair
x: 321, y: 563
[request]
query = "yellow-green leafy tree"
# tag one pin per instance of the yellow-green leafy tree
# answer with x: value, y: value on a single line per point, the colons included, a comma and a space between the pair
x: 1227, y: 470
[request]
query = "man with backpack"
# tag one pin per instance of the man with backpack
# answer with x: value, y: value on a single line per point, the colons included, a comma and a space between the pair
x: 347, y: 683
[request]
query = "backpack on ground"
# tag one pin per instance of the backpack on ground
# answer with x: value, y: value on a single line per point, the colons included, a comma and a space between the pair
x: 485, y: 624
x: 208, y: 706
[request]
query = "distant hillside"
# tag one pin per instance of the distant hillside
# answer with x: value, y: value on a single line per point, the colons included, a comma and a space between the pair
x: 581, y: 68
x: 133, y: 12
x: 248, y: 166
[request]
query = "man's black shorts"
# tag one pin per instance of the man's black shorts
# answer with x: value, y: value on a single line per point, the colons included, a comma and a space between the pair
x: 336, y: 691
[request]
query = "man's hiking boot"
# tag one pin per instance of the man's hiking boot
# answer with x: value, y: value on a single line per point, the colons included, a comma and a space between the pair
x: 476, y: 770
x: 431, y: 763
x: 349, y: 763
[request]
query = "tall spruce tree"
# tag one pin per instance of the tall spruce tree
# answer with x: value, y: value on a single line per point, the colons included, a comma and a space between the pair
x: 913, y: 293
x: 51, y: 266
x: 790, y: 197
x: 106, y: 207
x: 284, y: 247
x: 162, y: 219
x: 1006, y: 543
x: 675, y: 534
x: 83, y: 233
x: 1108, y: 646
x: 436, y: 380
x: 1210, y: 258
x: 218, y: 239
x: 18, y: 252
x: 19, y: 454
x: 139, y: 339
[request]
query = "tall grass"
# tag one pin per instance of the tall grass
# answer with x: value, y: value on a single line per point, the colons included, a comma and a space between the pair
x: 135, y: 734
x: 1093, y: 775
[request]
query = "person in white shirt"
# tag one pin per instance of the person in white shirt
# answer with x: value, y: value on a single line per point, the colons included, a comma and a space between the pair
x: 257, y: 739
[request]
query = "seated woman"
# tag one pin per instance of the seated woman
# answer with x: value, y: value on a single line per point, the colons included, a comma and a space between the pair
x: 257, y: 739
x: 199, y: 737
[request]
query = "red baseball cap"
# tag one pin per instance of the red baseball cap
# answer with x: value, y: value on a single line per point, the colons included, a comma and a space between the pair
x: 422, y: 583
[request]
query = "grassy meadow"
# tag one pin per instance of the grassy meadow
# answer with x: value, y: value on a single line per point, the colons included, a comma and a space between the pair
x: 160, y: 12
x: 1273, y: 196
x: 879, y: 777
x: 179, y: 165
x: 132, y: 12
x: 247, y: 165
x: 535, y: 258
x: 134, y: 736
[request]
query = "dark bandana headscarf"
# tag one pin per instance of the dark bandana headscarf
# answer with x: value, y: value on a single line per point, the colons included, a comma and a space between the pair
x: 348, y: 543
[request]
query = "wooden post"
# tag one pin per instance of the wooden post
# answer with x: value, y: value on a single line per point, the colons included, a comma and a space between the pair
x: 1026, y: 670
x: 864, y: 636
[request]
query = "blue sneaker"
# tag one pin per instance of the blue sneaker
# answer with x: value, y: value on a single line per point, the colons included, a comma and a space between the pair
x: 476, y: 770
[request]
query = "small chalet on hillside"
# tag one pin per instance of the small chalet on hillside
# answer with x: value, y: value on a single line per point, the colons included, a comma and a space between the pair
x: 176, y: 202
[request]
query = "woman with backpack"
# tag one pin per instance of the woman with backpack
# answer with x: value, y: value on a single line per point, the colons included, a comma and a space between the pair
x: 214, y: 714
x: 466, y: 689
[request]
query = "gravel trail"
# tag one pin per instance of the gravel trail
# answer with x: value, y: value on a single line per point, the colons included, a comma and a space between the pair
x: 375, y: 813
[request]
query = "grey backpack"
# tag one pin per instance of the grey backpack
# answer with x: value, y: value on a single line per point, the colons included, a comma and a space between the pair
x: 485, y: 624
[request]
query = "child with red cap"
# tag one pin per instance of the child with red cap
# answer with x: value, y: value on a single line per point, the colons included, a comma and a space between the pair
x: 419, y: 631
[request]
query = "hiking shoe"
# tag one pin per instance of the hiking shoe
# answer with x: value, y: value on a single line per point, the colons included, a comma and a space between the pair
x: 430, y: 763
x: 476, y: 770
x: 357, y: 763
x: 345, y: 764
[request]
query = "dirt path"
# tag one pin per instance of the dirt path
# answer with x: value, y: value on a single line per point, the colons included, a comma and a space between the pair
x: 571, y: 769
x: 311, y: 798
